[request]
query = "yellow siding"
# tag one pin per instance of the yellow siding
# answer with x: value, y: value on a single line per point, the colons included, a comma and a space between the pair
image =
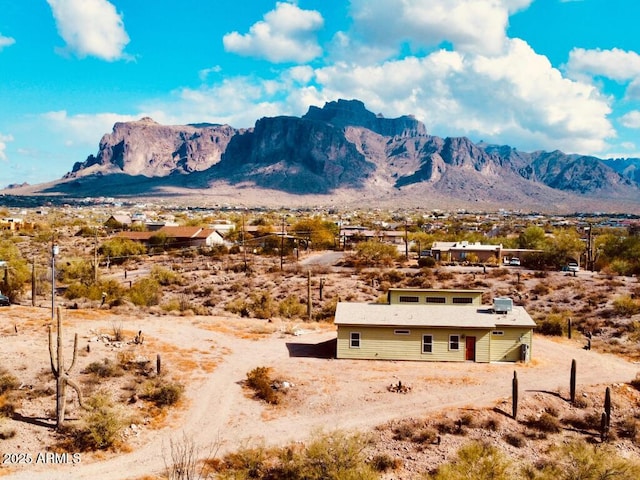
x: 506, y: 347
x: 394, y: 296
x: 383, y: 344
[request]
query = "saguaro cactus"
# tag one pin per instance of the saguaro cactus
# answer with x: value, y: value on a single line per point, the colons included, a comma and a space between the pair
x: 607, y: 406
x: 514, y: 395
x: 61, y: 373
x: 572, y: 383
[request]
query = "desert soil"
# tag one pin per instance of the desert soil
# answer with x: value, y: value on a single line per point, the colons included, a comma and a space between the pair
x: 212, y: 355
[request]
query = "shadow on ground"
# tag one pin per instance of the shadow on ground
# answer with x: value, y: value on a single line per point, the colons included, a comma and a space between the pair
x: 325, y: 349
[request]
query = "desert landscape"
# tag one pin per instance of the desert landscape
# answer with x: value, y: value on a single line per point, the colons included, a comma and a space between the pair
x: 126, y: 354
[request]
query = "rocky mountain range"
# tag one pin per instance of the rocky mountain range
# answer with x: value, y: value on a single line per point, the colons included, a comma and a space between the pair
x: 345, y: 153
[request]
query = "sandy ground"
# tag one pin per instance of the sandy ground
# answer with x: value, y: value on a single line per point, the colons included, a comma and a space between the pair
x: 213, y: 355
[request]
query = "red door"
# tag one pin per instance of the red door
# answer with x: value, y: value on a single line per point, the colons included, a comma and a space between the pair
x: 470, y: 349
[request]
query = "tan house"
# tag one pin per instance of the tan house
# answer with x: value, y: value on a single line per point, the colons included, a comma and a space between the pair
x: 179, y: 237
x: 429, y: 330
x: 462, y: 251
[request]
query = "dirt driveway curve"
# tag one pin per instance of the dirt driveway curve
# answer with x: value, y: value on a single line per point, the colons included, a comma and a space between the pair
x: 327, y: 393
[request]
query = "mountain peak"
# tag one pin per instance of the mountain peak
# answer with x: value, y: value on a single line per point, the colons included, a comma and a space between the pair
x: 353, y: 113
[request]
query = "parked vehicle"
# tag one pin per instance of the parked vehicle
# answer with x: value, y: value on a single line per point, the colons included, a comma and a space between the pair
x: 515, y: 261
x: 573, y: 267
x: 4, y: 301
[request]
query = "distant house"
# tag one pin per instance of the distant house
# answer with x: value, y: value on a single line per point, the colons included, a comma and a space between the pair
x: 461, y: 251
x: 11, y: 223
x: 434, y: 325
x: 178, y: 237
x: 118, y: 222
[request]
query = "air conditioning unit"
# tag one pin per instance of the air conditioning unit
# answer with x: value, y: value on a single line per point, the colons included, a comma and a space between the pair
x: 502, y: 305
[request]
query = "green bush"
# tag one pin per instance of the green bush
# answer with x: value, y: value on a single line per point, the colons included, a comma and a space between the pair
x: 579, y: 460
x: 166, y: 277
x: 545, y: 423
x: 291, y: 307
x: 426, y: 262
x: 101, y: 427
x: 477, y: 461
x: 553, y: 325
x: 163, y: 394
x: 626, y: 306
x: 145, y: 292
x: 263, y: 306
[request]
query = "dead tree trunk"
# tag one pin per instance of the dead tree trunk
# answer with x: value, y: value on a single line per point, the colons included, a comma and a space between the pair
x: 61, y: 373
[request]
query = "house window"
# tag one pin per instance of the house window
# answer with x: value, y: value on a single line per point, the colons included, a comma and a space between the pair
x: 354, y: 340
x: 436, y: 300
x: 454, y: 342
x: 407, y: 299
x: 427, y: 344
x: 497, y: 332
x: 461, y: 300
x: 402, y: 332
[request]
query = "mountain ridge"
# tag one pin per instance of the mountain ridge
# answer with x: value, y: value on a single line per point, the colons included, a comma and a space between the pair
x: 344, y: 150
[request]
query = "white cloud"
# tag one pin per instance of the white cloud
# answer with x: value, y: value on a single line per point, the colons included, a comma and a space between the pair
x: 3, y: 146
x: 530, y: 104
x: 82, y: 129
x: 616, y: 64
x: 6, y: 41
x: 91, y: 28
x: 287, y: 34
x: 477, y: 26
x: 631, y: 119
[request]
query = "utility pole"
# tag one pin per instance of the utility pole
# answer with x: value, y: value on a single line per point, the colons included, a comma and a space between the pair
x: 244, y: 249
x: 282, y: 246
x: 33, y: 282
x: 95, y: 257
x: 406, y: 241
x: 589, y: 251
x: 54, y: 251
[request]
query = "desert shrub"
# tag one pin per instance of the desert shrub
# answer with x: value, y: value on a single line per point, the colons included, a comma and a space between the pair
x: 7, y: 381
x: 554, y: 324
x: 515, y: 439
x: 416, y: 431
x: 375, y: 254
x: 426, y: 262
x: 145, y: 292
x: 476, y: 461
x: 327, y: 311
x: 579, y: 460
x: 383, y: 462
x: 291, y: 307
x: 119, y: 249
x: 262, y: 305
x: 163, y: 394
x: 101, y: 427
x: 540, y: 289
x: 545, y: 423
x: 626, y: 306
x: 628, y: 427
x: 259, y: 380
x: 165, y: 276
x: 104, y: 369
x: 238, y: 306
x: 498, y: 272
x: 588, y: 421
x: 635, y: 383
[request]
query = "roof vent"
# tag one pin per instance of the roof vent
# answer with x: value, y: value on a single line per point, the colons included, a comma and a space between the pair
x: 502, y: 304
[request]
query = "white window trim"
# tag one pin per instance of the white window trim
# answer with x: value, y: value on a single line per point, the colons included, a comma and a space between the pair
x: 430, y: 343
x: 450, y: 342
x: 351, y: 338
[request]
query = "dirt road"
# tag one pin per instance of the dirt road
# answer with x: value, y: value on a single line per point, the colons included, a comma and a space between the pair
x: 326, y: 393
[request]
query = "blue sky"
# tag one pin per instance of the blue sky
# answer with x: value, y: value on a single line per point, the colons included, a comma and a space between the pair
x: 533, y: 74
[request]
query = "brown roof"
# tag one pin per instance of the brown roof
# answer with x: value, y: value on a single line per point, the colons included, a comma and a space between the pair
x: 180, y: 232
